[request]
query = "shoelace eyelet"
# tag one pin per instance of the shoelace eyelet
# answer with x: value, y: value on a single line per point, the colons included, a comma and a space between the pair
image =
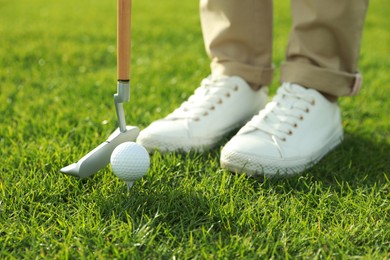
x: 235, y: 88
x: 205, y: 113
x: 219, y: 101
x: 227, y: 94
x: 313, y: 102
x: 307, y: 110
x: 212, y: 108
x: 290, y: 132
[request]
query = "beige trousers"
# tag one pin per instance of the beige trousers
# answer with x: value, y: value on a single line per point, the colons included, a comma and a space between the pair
x: 322, y: 52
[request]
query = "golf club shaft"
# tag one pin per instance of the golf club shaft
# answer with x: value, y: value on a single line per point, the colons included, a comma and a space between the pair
x: 123, y: 41
x: 123, y: 60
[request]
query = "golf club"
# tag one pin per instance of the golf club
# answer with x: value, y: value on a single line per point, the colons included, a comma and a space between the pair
x: 99, y: 157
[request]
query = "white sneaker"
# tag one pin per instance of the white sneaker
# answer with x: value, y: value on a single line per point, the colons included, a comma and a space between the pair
x: 218, y: 106
x: 292, y: 133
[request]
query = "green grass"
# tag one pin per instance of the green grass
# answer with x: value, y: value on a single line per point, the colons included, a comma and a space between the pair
x: 57, y: 78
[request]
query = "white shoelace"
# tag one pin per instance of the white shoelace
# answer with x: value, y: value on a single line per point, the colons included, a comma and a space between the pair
x: 211, y: 92
x: 282, y: 115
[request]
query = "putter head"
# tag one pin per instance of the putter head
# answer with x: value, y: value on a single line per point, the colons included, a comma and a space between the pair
x: 99, y: 157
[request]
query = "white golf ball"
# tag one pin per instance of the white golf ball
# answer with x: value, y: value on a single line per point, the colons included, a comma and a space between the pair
x: 130, y: 161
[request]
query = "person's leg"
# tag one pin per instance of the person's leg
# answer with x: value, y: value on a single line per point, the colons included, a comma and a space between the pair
x: 238, y: 38
x: 324, y: 45
x: 300, y: 125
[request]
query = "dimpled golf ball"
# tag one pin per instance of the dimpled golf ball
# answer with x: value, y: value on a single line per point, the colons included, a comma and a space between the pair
x: 130, y: 161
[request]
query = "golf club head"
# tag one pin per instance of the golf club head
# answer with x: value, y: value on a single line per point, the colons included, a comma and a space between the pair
x: 99, y: 157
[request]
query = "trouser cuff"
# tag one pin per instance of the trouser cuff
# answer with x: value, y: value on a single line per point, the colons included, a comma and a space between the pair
x: 324, y: 80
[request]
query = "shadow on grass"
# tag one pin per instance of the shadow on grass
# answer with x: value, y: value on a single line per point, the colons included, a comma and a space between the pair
x: 359, y: 157
x: 356, y: 162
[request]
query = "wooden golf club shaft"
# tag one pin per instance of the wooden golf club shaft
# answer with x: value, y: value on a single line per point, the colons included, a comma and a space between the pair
x: 123, y: 40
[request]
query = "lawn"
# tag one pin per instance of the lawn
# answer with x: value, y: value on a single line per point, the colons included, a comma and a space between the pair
x: 57, y: 78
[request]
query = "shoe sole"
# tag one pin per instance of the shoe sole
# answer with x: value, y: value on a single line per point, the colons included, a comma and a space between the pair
x: 152, y: 145
x: 167, y: 145
x: 253, y: 167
